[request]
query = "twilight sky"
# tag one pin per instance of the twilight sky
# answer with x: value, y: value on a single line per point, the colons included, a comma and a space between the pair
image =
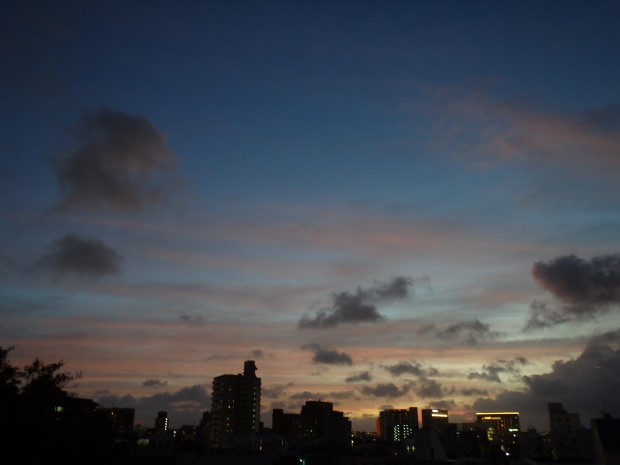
x: 382, y: 203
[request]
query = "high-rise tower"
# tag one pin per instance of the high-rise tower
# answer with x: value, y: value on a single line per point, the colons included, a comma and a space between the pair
x: 436, y: 419
x: 161, y: 422
x: 398, y: 424
x: 235, y: 404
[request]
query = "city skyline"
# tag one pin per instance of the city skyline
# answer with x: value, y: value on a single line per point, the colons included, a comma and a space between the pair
x: 383, y: 204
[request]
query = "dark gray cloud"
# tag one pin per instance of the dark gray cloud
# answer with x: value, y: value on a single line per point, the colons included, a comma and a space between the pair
x: 587, y: 384
x: 305, y: 395
x: 364, y: 376
x: 328, y: 356
x: 474, y: 392
x: 361, y: 306
x: 428, y: 388
x: 583, y: 289
x: 576, y: 281
x: 80, y: 256
x: 465, y: 332
x: 492, y: 371
x: 257, y: 353
x: 385, y: 390
x: 333, y: 396
x: 184, y: 406
x: 447, y: 404
x: 341, y: 395
x: 118, y: 161
x: 192, y: 320
x: 410, y: 368
x: 154, y: 383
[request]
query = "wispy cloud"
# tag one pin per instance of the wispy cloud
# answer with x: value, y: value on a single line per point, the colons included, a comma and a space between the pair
x: 474, y: 124
x: 275, y: 391
x: 192, y: 320
x: 154, y: 383
x: 385, y: 390
x: 363, y: 376
x: 492, y: 371
x: 411, y: 368
x: 465, y: 332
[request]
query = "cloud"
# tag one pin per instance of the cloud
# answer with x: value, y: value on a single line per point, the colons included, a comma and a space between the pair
x: 359, y: 307
x: 184, y: 406
x: 326, y: 397
x: 446, y: 404
x: 257, y: 353
x: 576, y: 281
x: 118, y: 161
x: 328, y: 356
x: 274, y: 391
x: 491, y: 372
x: 465, y: 332
x: 81, y: 256
x: 364, y: 376
x: 305, y: 395
x: 476, y: 125
x: 192, y: 320
x: 385, y: 390
x: 474, y: 392
x: 411, y: 369
x: 428, y: 388
x: 341, y: 395
x: 586, y: 384
x: 583, y: 289
x: 154, y: 383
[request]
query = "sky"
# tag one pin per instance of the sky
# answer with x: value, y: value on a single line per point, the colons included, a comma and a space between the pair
x: 384, y: 204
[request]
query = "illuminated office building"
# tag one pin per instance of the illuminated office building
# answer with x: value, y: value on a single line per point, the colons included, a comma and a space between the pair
x: 501, y: 426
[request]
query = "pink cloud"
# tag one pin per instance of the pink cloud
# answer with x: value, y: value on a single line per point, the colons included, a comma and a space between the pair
x: 491, y: 131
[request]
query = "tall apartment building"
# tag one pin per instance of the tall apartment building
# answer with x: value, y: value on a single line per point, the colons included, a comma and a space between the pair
x: 161, y: 421
x: 567, y: 433
x: 396, y: 425
x: 235, y: 404
x: 435, y: 419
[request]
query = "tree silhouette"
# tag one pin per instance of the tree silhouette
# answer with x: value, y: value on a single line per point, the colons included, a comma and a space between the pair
x: 42, y: 423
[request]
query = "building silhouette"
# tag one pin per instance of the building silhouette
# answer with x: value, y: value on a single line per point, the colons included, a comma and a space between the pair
x: 396, y: 425
x: 235, y: 405
x: 318, y: 425
x: 563, y: 428
x: 121, y: 419
x: 434, y: 419
x: 605, y: 432
x: 161, y: 422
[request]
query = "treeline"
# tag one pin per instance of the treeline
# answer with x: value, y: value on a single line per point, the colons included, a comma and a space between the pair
x: 41, y: 423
